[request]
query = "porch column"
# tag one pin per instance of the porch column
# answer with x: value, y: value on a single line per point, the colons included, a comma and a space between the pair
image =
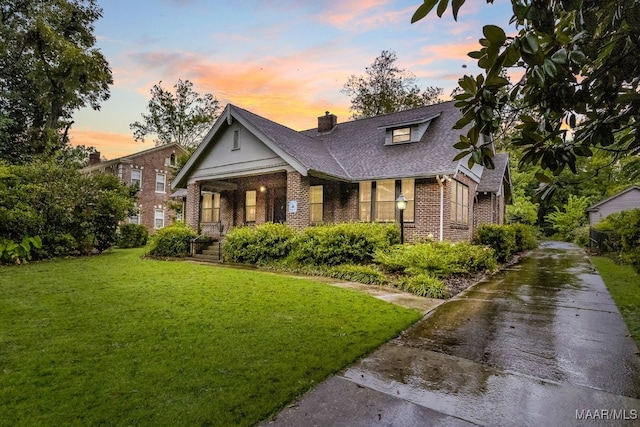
x: 297, y: 191
x: 192, y: 214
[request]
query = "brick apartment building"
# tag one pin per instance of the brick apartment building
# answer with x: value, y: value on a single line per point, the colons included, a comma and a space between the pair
x: 151, y: 171
x: 249, y: 170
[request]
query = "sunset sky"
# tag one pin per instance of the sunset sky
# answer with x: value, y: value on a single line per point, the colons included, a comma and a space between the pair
x: 286, y: 60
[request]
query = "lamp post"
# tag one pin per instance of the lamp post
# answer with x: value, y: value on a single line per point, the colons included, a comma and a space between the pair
x: 401, y: 204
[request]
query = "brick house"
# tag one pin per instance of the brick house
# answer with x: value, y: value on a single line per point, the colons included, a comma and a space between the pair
x: 151, y: 170
x: 250, y: 170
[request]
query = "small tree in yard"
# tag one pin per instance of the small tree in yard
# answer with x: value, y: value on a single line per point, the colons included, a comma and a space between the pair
x: 574, y: 215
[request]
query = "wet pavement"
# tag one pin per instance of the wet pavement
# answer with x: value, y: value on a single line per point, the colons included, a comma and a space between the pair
x: 541, y: 343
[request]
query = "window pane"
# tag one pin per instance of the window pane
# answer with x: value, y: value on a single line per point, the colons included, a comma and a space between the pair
x: 160, y: 177
x: 408, y: 191
x: 251, y: 213
x: 459, y: 203
x: 385, y: 211
x: 401, y: 135
x: 216, y: 207
x: 159, y: 218
x: 250, y: 205
x: 364, y: 194
x: 316, y: 213
x: 206, y: 207
x: 385, y: 208
x: 365, y: 211
x: 136, y: 174
x: 315, y: 194
x: 315, y: 204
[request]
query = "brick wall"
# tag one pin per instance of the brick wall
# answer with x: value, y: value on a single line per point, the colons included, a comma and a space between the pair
x: 192, y: 209
x: 148, y: 200
x: 298, y: 190
x: 341, y: 204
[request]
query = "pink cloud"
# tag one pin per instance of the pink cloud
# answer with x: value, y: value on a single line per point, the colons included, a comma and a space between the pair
x: 292, y: 89
x: 110, y: 144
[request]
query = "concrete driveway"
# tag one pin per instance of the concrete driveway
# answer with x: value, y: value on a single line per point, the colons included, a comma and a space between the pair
x: 539, y: 344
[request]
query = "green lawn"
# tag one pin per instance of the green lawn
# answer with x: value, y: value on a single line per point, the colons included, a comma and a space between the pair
x: 624, y: 285
x: 117, y: 340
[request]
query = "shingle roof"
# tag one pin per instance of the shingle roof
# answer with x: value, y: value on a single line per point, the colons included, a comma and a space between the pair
x: 491, y: 179
x: 313, y: 154
x: 359, y: 145
x: 356, y: 150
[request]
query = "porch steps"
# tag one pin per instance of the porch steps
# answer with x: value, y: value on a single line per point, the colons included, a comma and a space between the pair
x: 212, y: 253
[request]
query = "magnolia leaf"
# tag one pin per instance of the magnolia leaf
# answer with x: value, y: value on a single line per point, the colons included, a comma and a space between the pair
x: 542, y: 177
x: 494, y: 34
x: 442, y: 7
x: 423, y: 10
x: 456, y: 4
x: 461, y: 145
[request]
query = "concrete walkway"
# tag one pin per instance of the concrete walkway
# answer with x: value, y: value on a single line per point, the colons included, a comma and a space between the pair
x: 539, y: 344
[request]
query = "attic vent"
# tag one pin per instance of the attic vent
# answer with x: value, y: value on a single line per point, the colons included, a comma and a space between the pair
x: 236, y: 140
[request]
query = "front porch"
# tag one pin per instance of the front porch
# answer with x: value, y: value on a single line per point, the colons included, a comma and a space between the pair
x: 215, y: 206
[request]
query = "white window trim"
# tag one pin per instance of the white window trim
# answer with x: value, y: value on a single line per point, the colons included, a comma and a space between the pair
x: 155, y: 218
x: 164, y: 182
x: 140, y: 179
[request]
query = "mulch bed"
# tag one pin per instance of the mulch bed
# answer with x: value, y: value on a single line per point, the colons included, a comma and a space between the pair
x: 457, y: 284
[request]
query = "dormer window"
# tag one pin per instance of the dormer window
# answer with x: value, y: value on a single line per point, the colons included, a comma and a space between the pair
x: 401, y: 135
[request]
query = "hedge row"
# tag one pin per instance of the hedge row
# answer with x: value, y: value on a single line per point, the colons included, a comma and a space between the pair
x: 326, y: 245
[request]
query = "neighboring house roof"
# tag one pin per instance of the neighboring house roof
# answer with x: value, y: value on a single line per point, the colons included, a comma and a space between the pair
x: 356, y: 150
x: 129, y: 157
x: 492, y: 179
x: 594, y: 208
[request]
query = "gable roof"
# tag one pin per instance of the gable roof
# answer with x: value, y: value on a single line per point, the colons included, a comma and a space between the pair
x: 354, y: 151
x: 595, y: 207
x: 492, y: 179
x: 129, y: 157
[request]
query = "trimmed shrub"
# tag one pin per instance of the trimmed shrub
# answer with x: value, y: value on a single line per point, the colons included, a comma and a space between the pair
x: 526, y: 237
x: 172, y: 241
x: 358, y: 273
x: 501, y: 238
x: 439, y: 259
x: 261, y: 244
x: 424, y: 285
x: 348, y: 243
x: 581, y: 236
x: 132, y: 236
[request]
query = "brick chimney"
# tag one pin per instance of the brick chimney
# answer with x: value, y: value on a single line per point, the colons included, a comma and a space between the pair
x: 327, y: 122
x: 94, y: 158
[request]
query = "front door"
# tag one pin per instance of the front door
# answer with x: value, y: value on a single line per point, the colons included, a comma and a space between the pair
x: 280, y: 205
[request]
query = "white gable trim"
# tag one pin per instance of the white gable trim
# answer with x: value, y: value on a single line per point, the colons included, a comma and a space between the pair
x: 228, y: 116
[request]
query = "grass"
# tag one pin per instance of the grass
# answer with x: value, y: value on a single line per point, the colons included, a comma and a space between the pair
x: 118, y: 340
x: 624, y: 286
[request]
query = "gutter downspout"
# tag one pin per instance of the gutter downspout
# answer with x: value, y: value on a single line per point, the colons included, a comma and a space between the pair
x: 441, y: 181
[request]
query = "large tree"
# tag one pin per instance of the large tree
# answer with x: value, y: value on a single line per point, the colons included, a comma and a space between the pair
x: 181, y: 116
x: 385, y: 88
x: 49, y: 68
x: 581, y: 70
